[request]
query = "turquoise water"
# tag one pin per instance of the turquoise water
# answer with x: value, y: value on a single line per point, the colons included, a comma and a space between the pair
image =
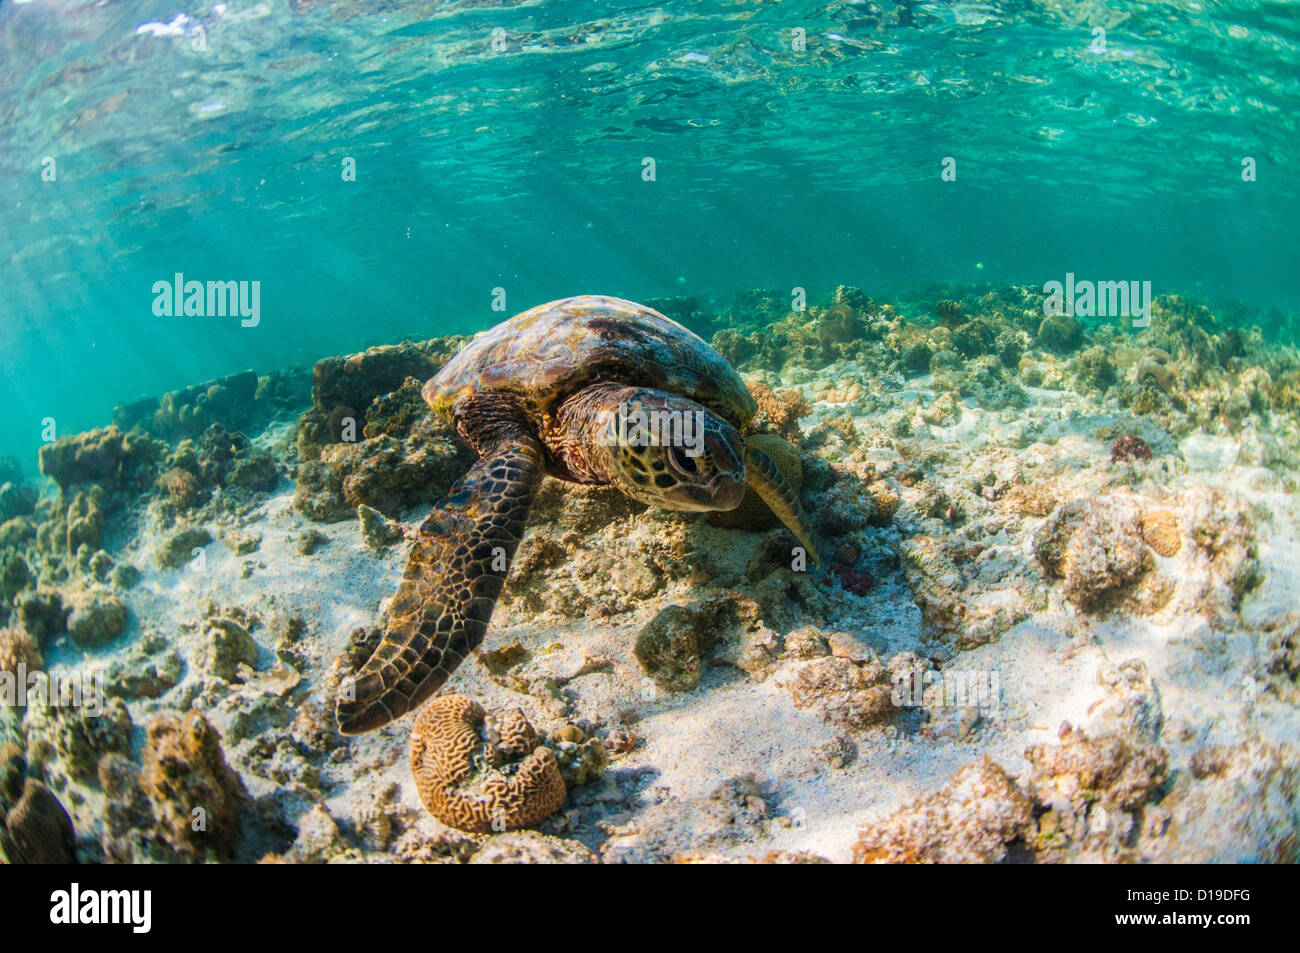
x: 212, y: 140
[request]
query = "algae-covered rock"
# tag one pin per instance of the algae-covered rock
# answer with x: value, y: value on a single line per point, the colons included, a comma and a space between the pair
x: 108, y: 457
x: 17, y: 647
x: 1112, y: 770
x: 975, y: 819
x: 310, y: 541
x: 15, y: 576
x: 194, y: 794
x: 1061, y: 333
x: 849, y: 693
x: 668, y: 649
x: 38, y: 830
x: 188, y: 412
x: 1096, y: 547
x: 672, y: 646
x: 97, y: 616
x: 377, y: 530
x: 343, y: 388
x: 179, y: 547
x: 580, y: 761
x: 78, y: 736
x: 1095, y: 370
x: 227, y: 645
x: 41, y: 612
x: 144, y: 673
x: 529, y: 847
x: 385, y: 472
x: 16, y: 500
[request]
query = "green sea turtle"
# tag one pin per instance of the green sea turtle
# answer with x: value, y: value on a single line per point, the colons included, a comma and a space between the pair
x: 592, y: 390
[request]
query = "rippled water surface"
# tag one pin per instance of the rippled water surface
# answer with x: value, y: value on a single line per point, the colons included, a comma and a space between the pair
x: 503, y: 145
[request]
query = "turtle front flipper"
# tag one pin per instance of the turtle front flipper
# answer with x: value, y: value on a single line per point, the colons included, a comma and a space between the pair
x: 762, y: 474
x: 453, y: 577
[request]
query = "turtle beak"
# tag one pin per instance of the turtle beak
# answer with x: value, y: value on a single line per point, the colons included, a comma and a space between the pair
x: 726, y: 491
x: 727, y: 488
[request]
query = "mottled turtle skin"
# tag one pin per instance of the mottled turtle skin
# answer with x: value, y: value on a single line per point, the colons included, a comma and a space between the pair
x: 532, y: 396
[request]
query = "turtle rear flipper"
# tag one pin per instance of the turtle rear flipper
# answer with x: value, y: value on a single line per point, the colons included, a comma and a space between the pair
x: 762, y: 474
x: 451, y: 583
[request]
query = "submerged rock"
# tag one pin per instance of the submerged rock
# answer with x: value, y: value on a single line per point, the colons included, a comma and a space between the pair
x: 668, y: 649
x: 38, y: 830
x: 974, y: 819
x: 1096, y: 547
x: 179, y: 547
x: 16, y: 500
x: 227, y: 645
x: 377, y: 530
x: 194, y: 794
x: 855, y: 694
x: 97, y: 616
x: 116, y: 461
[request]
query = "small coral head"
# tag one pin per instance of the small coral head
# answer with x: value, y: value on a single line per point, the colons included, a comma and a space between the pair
x: 669, y: 451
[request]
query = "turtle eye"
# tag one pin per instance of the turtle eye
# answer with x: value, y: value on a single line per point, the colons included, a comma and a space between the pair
x: 680, y: 459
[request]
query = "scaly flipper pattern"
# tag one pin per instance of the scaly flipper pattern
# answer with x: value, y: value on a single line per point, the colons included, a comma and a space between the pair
x: 453, y: 577
x: 762, y: 474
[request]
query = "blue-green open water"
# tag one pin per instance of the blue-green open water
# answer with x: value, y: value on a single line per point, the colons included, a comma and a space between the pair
x: 502, y: 145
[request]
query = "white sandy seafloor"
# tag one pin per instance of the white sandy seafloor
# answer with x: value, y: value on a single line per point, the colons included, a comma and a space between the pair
x: 732, y: 768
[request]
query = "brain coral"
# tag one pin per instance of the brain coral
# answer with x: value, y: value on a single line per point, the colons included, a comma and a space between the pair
x: 1161, y: 532
x: 468, y: 771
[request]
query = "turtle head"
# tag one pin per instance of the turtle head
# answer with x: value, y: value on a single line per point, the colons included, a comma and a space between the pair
x: 668, y: 451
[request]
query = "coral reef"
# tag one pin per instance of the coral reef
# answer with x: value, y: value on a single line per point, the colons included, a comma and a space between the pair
x: 1002, y: 493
